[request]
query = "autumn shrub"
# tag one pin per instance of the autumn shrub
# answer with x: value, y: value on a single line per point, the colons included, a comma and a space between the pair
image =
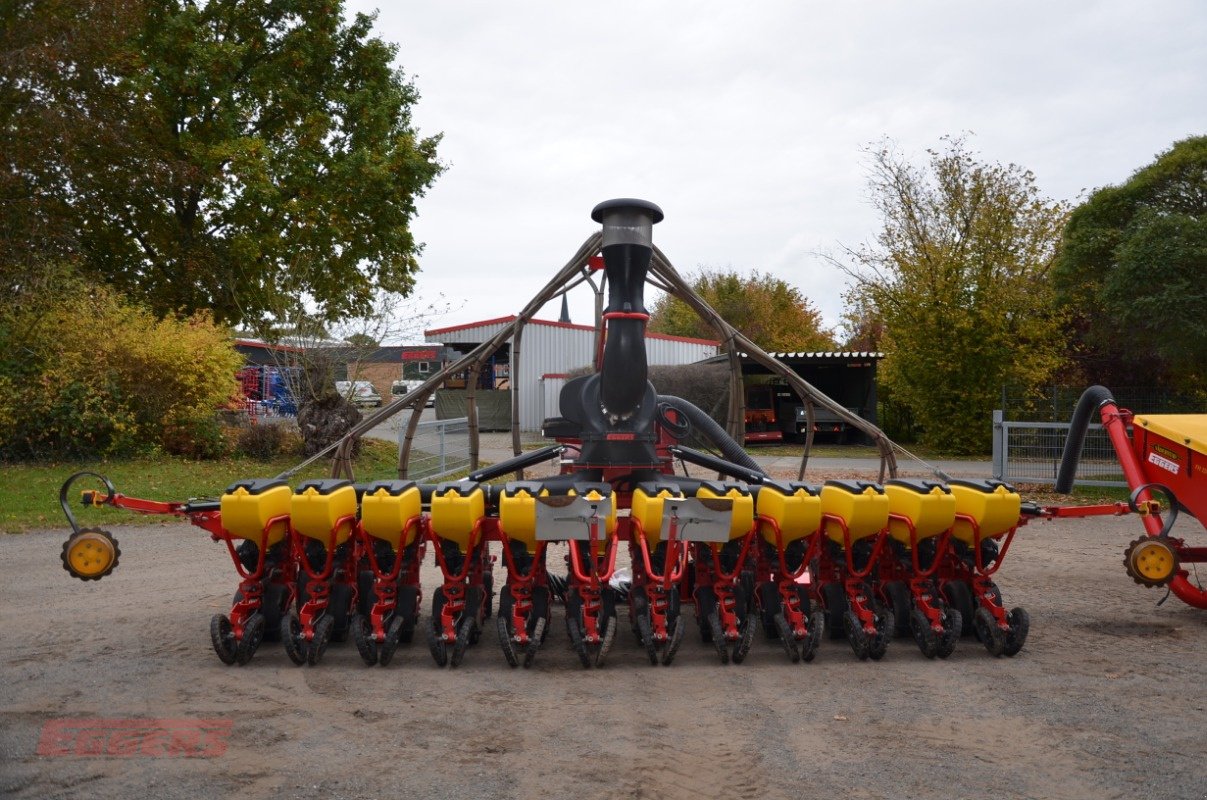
x: 84, y: 373
x: 261, y: 441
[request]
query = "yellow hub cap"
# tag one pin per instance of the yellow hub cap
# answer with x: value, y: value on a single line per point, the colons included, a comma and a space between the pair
x: 1154, y: 561
x: 90, y: 554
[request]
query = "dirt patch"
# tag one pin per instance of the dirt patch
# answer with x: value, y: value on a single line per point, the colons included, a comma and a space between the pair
x: 1104, y: 701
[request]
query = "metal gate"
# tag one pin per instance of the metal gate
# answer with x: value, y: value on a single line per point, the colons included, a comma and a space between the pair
x: 440, y: 447
x: 1029, y: 452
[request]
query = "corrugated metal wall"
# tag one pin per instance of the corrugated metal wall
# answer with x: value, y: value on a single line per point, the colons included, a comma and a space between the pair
x: 550, y: 349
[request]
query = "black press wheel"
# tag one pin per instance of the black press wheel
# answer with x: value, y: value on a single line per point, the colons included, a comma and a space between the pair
x: 787, y: 637
x: 987, y: 630
x: 505, y: 642
x: 817, y: 626
x: 534, y: 642
x: 322, y: 637
x: 953, y: 624
x: 574, y: 630
x: 291, y: 636
x: 646, y: 629
x: 717, y: 636
x: 385, y: 653
x: 222, y: 638
x: 1020, y: 625
x: 859, y: 640
x: 253, y: 634
x: 745, y: 639
x: 362, y: 635
x: 885, y: 623
x: 959, y: 597
x: 925, y: 637
x: 678, y: 630
x: 610, y: 624
x: 465, y: 637
x: 835, y: 598
x: 898, y: 595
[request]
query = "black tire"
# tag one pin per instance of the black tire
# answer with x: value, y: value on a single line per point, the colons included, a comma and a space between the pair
x: 987, y: 630
x: 365, y: 594
x: 885, y: 622
x: 898, y: 595
x: 609, y: 636
x: 539, y: 629
x: 817, y: 626
x: 647, y: 638
x: 362, y: 635
x: 323, y: 630
x: 706, y: 603
x: 1020, y: 626
x: 769, y: 606
x: 407, y: 613
x: 953, y: 623
x: 926, y: 639
x: 959, y: 597
x: 574, y: 630
x: 672, y: 647
x: 504, y: 631
x: 339, y: 608
x: 717, y: 636
x: 253, y: 634
x: 291, y: 636
x: 787, y: 637
x: 742, y: 649
x: 385, y: 653
x: 465, y: 637
x: 858, y: 639
x: 222, y: 638
x: 835, y: 598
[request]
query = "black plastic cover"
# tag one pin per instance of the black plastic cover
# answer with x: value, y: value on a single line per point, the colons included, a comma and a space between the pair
x: 919, y: 485
x: 324, y: 485
x: 256, y: 485
x: 855, y: 486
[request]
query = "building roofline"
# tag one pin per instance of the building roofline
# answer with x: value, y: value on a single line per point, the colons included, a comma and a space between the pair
x: 552, y: 324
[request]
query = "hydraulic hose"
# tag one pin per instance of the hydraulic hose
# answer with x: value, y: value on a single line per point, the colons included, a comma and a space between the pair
x: 1091, y: 400
x: 711, y: 431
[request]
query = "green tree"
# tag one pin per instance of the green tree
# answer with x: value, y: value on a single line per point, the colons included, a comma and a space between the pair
x: 1133, y: 275
x: 771, y: 312
x: 959, y: 277
x: 229, y: 155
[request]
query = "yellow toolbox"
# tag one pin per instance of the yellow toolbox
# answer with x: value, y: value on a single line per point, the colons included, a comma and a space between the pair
x: 247, y: 506
x: 794, y: 506
x: 993, y: 504
x: 862, y: 505
x: 742, y: 520
x: 929, y: 505
x: 321, y: 506
x: 456, y: 509
x: 646, y: 507
x: 385, y: 509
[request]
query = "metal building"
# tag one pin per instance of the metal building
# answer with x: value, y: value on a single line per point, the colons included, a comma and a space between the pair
x: 549, y: 351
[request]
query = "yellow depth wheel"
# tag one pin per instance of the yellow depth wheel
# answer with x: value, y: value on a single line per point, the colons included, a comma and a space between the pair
x: 1151, y: 561
x: 90, y: 554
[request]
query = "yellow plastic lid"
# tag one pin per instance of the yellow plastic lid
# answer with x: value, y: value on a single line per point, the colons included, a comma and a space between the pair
x: 1186, y: 429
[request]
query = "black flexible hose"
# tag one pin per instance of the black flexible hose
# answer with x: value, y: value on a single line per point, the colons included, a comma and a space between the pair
x: 1091, y: 400
x: 710, y: 430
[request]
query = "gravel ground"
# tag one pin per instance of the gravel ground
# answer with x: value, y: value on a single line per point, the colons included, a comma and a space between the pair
x: 1105, y: 701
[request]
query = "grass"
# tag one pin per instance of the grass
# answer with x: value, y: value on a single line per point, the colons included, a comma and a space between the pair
x: 31, y: 492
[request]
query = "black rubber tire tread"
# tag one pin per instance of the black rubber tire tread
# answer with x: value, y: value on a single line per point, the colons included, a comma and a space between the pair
x: 646, y: 629
x: 575, y: 631
x: 540, y: 628
x: 817, y: 627
x: 993, y: 637
x: 959, y: 597
x: 835, y: 598
x: 746, y: 630
x: 465, y: 637
x: 362, y: 635
x: 291, y: 632
x: 385, y: 653
x: 607, y: 640
x: 717, y: 636
x: 323, y: 630
x: 855, y: 635
x: 253, y: 634
x: 339, y: 608
x: 786, y: 637
x: 953, y: 623
x: 505, y: 643
x: 222, y: 638
x: 924, y: 637
x: 672, y: 647
x: 899, y: 597
x: 1020, y: 626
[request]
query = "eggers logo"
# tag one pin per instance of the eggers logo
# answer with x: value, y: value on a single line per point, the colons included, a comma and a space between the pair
x: 129, y: 738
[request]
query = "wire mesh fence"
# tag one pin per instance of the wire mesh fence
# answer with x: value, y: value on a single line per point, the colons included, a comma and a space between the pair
x: 440, y: 448
x: 1056, y: 403
x: 1030, y: 452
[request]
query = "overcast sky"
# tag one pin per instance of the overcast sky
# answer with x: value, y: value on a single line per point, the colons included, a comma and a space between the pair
x: 746, y: 121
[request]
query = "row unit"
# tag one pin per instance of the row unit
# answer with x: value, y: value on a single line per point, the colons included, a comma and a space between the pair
x: 328, y: 510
